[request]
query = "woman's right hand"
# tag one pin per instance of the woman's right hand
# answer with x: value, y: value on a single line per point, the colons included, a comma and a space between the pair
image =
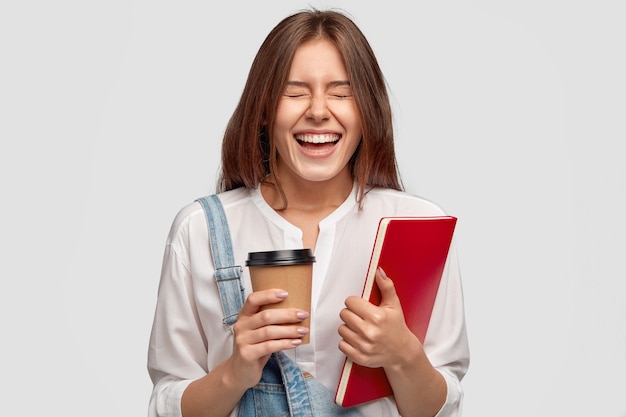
x: 258, y: 334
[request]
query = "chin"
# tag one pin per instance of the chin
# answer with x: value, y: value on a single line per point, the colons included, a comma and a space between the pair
x: 321, y: 177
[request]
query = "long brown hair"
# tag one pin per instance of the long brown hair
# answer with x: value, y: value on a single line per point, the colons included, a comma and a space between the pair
x: 248, y: 150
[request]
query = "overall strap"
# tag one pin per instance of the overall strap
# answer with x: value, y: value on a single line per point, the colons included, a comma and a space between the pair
x: 227, y: 274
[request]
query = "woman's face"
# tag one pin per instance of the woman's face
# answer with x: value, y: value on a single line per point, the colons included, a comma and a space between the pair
x: 317, y: 126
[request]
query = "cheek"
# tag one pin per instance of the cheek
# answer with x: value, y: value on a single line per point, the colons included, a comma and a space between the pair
x: 288, y: 113
x: 348, y: 114
x: 353, y: 126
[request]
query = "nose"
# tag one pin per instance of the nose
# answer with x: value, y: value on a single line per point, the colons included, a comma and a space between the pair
x: 318, y: 108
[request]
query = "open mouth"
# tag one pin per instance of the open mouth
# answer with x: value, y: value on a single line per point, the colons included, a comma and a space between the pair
x: 318, y: 142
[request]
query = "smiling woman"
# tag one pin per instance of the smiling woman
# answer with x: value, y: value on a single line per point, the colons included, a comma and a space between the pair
x: 308, y: 162
x: 245, y: 162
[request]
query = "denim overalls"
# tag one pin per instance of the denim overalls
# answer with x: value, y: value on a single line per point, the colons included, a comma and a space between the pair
x: 284, y: 390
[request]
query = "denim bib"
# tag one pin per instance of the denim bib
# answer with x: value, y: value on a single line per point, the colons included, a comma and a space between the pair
x: 284, y: 390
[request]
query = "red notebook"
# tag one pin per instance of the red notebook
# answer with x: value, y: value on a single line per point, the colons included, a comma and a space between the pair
x: 412, y: 251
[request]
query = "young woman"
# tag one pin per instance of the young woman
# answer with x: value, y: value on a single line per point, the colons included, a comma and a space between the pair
x: 307, y: 162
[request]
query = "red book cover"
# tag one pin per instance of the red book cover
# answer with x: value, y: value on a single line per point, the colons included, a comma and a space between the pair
x: 412, y: 251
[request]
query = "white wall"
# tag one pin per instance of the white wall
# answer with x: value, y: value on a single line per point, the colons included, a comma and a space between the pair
x: 509, y: 114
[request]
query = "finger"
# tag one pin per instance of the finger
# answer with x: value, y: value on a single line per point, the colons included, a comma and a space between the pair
x: 355, y: 348
x: 260, y: 342
x: 348, y: 334
x: 277, y: 332
x: 358, y: 356
x: 251, y: 353
x: 273, y: 316
x: 346, y: 348
x: 258, y: 299
x: 256, y: 328
x: 270, y: 346
x: 358, y: 331
x: 350, y: 318
x: 358, y: 306
x: 387, y: 289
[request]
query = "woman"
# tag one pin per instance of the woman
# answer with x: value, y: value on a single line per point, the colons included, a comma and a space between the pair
x: 307, y: 162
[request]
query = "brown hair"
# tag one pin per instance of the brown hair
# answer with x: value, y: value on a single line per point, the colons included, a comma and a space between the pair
x: 248, y: 151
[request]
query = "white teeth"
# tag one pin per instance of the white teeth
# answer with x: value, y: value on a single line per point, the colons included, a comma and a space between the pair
x: 318, y: 138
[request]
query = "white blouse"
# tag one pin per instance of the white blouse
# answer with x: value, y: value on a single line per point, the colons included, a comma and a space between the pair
x: 188, y: 338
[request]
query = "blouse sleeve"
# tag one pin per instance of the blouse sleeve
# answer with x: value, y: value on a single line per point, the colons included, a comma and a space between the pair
x: 446, y: 341
x: 177, y: 352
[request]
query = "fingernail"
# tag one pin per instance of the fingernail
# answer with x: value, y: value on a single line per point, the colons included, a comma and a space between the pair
x: 302, y: 315
x: 302, y: 330
x: 281, y: 294
x: 382, y: 272
x: 296, y: 342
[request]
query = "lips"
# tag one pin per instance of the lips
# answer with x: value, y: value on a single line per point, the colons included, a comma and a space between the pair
x: 318, y: 138
x: 318, y: 142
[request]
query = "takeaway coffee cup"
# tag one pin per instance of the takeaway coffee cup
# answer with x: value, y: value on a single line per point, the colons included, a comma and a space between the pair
x: 290, y: 270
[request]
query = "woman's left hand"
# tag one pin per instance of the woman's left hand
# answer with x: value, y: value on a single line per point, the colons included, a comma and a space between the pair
x: 376, y: 336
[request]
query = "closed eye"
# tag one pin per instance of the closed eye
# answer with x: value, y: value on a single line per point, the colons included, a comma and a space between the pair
x: 340, y: 89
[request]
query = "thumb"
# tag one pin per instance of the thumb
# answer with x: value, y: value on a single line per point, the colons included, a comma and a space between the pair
x: 388, y: 295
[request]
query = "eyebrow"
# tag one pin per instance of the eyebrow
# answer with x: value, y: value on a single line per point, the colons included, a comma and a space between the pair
x: 330, y: 84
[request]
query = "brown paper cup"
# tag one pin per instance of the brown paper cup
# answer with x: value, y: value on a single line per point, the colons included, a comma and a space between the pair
x: 289, y: 270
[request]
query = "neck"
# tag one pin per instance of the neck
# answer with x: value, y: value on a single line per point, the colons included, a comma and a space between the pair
x: 308, y: 196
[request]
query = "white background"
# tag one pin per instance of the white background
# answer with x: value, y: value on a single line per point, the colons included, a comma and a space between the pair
x: 510, y: 115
